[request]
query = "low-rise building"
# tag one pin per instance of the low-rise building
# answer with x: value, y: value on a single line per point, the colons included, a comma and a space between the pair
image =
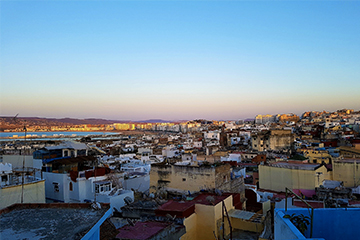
x: 277, y: 176
x: 347, y: 171
x: 194, y: 178
x: 272, y: 140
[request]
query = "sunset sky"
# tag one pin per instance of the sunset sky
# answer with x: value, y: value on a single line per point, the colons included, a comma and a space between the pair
x: 137, y: 60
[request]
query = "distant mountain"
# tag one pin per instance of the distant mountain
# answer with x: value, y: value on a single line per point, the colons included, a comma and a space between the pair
x: 74, y: 121
x: 153, y: 121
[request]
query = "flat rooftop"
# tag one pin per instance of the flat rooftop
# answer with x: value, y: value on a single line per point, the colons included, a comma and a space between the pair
x: 185, y: 208
x: 142, y: 230
x: 48, y: 221
x: 302, y: 166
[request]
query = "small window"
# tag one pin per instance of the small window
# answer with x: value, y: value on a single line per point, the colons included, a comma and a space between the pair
x: 4, y: 178
x: 70, y: 186
x: 184, y: 179
x: 56, y: 186
x: 66, y: 153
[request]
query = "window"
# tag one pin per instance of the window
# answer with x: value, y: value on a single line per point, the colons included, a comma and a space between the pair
x: 70, y: 186
x: 4, y: 178
x: 184, y: 179
x: 102, y: 187
x: 66, y: 153
x: 56, y: 187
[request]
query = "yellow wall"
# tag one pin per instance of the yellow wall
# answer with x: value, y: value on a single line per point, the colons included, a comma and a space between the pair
x: 33, y: 193
x: 316, y: 156
x: 182, y: 178
x: 247, y: 225
x: 190, y: 224
x: 276, y: 178
x: 207, y: 220
x: 348, y: 172
x: 206, y: 223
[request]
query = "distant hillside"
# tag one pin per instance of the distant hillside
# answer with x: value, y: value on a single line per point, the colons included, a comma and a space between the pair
x: 153, y: 121
x: 9, y: 121
x: 76, y: 121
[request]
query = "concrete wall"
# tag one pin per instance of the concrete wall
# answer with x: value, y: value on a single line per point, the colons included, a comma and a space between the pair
x: 82, y: 189
x: 187, y: 178
x: 33, y: 193
x: 141, y: 183
x: 284, y: 229
x: 244, y: 225
x: 348, y: 172
x: 115, y: 201
x: 330, y: 223
x: 277, y: 178
x: 17, y: 160
x: 190, y: 224
x: 63, y: 194
x: 279, y: 140
x: 218, y: 209
x: 182, y: 177
x: 274, y: 140
x: 207, y: 221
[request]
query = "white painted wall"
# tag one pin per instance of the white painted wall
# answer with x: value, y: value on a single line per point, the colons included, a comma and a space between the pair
x: 141, y: 183
x: 62, y: 180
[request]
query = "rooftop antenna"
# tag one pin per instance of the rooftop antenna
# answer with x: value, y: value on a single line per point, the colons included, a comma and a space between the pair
x: 23, y: 169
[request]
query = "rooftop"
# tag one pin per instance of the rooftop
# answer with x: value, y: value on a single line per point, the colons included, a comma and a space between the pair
x: 301, y: 166
x: 348, y: 160
x: 183, y: 209
x: 142, y: 230
x: 48, y: 221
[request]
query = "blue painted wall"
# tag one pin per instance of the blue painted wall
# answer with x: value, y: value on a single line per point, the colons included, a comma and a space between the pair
x: 94, y: 232
x: 284, y: 229
x: 332, y: 223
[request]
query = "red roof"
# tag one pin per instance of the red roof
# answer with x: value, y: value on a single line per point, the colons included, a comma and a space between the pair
x: 184, y: 209
x: 201, y: 199
x: 175, y: 208
x: 142, y: 230
x: 314, y: 204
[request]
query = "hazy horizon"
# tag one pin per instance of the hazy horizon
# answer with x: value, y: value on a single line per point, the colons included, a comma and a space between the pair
x: 178, y: 60
x: 170, y: 120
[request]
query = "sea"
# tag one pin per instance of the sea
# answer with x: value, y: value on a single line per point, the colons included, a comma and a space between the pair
x: 6, y: 136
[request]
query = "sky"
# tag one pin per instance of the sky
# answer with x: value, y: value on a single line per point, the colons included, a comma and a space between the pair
x: 178, y: 60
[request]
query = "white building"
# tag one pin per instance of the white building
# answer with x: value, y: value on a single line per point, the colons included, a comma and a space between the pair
x: 13, y: 190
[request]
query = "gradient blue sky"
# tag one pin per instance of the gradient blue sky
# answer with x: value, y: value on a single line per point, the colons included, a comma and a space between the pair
x: 138, y: 60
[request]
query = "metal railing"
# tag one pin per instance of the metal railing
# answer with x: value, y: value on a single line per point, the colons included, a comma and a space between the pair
x: 307, y: 204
